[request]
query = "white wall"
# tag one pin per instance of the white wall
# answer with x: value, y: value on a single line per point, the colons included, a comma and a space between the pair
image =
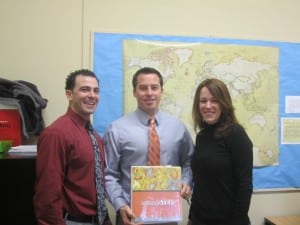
x: 42, y: 41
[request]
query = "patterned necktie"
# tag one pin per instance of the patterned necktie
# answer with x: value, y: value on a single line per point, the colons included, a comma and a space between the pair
x: 154, y: 145
x: 101, y: 207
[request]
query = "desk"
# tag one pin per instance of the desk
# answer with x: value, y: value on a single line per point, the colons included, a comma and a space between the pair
x: 17, y: 188
x: 282, y: 220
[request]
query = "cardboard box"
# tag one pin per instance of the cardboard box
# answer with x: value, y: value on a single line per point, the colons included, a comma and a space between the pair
x: 10, y: 126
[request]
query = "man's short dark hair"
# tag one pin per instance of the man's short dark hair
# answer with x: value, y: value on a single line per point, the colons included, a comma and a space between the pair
x: 146, y: 70
x: 70, y: 81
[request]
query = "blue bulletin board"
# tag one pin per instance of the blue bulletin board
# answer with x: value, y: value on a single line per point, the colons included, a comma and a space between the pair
x: 108, y: 64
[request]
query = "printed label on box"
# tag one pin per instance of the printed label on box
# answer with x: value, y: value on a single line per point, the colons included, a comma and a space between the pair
x: 10, y: 126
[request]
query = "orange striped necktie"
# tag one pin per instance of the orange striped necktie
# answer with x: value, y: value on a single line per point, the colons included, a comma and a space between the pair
x: 154, y: 145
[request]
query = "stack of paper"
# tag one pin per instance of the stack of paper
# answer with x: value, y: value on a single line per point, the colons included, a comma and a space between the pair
x: 23, y: 148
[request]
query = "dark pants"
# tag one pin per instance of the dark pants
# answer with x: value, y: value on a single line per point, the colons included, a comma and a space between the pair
x: 196, y: 221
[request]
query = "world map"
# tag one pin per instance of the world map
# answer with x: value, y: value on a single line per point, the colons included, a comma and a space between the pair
x: 250, y: 72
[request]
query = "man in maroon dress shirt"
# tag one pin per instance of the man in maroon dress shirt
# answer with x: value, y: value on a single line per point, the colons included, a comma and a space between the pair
x: 65, y: 191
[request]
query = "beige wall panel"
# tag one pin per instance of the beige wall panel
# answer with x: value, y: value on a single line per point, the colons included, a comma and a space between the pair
x: 247, y: 19
x: 41, y: 41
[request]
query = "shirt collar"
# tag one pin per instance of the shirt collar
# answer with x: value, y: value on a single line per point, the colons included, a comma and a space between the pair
x: 78, y: 120
x: 144, y: 117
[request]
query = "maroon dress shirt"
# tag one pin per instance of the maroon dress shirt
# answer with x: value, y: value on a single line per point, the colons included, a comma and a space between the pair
x: 65, y: 171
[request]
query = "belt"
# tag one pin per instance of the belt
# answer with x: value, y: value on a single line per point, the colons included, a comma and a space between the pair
x: 83, y: 219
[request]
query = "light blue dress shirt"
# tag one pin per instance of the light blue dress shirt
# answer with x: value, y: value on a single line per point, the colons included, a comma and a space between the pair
x: 126, y: 145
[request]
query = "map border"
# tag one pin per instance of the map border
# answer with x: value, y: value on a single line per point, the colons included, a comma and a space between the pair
x: 108, y: 65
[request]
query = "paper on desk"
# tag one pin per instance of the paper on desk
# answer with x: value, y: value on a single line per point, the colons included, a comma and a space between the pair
x: 23, y: 148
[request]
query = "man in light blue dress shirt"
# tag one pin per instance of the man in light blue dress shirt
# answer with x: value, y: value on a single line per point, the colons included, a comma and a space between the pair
x: 126, y: 143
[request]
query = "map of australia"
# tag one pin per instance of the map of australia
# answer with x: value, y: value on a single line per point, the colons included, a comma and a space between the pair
x: 250, y: 73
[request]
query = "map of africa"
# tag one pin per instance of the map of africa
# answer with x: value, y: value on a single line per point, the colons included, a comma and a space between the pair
x: 250, y: 73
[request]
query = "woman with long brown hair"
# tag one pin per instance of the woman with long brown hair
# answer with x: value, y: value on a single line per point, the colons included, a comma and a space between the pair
x: 222, y: 161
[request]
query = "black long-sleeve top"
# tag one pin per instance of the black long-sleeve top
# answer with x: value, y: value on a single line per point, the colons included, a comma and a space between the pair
x: 222, y: 173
